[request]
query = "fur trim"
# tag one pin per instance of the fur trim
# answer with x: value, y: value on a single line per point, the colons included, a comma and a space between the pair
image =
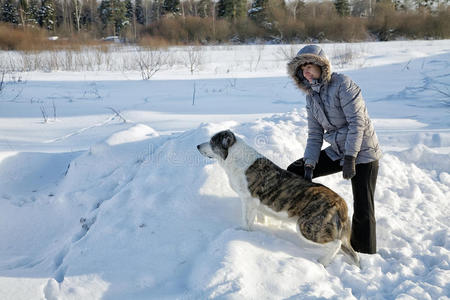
x: 296, y: 62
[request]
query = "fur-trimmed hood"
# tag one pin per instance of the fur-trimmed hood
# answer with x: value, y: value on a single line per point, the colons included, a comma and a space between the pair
x: 309, y: 54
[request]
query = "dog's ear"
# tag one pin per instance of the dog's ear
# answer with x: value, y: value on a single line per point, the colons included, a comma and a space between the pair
x: 221, y: 142
x: 228, y: 139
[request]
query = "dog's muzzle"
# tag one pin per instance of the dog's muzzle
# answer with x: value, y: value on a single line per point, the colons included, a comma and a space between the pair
x: 203, y: 151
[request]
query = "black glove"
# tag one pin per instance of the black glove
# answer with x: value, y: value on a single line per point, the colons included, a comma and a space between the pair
x: 308, y: 173
x: 349, y: 169
x: 297, y: 167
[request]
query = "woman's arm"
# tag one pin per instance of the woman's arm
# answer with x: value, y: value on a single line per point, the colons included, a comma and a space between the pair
x: 354, y: 109
x: 315, y: 136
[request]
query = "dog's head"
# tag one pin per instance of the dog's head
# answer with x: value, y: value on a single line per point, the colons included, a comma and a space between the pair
x: 218, y: 145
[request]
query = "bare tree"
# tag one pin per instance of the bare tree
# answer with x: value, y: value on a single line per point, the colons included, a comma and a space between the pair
x: 286, y: 52
x: 2, y: 80
x: 194, y: 58
x: 77, y: 11
x: 117, y: 114
x: 295, y: 7
x: 22, y: 8
x: 44, y: 113
x: 54, y: 110
x: 150, y: 61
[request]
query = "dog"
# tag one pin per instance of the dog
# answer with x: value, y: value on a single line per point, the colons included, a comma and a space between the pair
x: 320, y: 214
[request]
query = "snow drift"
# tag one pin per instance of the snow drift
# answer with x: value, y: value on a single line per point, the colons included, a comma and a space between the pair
x: 144, y: 216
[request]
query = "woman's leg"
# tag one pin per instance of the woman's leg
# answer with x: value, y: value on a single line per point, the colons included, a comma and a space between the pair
x: 363, y: 238
x: 325, y: 166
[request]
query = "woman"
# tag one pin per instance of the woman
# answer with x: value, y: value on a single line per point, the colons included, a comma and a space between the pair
x: 338, y: 115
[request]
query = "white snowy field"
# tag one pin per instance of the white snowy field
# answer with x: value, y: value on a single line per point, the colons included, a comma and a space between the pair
x: 92, y: 207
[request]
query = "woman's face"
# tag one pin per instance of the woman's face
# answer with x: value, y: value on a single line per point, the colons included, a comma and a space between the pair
x: 311, y: 72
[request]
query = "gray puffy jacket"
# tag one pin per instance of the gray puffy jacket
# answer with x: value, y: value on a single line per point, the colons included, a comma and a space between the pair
x: 336, y: 112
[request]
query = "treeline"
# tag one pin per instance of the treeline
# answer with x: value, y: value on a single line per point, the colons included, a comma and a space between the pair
x: 240, y: 21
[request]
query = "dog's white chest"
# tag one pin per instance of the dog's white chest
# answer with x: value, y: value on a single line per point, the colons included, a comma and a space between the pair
x: 240, y: 158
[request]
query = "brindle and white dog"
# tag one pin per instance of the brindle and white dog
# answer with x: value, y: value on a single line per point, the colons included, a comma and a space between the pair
x: 320, y: 214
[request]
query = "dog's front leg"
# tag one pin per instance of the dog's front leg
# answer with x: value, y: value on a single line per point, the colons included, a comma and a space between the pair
x: 261, y: 218
x: 249, y: 210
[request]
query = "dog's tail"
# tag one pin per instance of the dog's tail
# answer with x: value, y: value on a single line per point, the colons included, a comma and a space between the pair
x: 346, y: 247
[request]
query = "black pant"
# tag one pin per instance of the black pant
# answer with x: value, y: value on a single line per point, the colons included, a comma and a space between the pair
x: 363, y: 238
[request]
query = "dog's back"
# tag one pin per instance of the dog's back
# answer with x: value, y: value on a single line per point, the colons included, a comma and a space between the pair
x: 322, y: 214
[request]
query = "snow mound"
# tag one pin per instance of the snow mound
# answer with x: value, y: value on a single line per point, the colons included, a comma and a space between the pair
x: 136, y: 133
x: 26, y: 177
x: 426, y: 158
x: 240, y: 265
x: 145, y: 216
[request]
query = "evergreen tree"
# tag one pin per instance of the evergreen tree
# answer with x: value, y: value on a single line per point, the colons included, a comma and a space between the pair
x: 342, y: 7
x: 129, y: 22
x: 171, y: 6
x: 112, y: 15
x: 47, y: 15
x: 9, y: 12
x: 425, y: 4
x: 267, y: 12
x: 258, y: 12
x: 232, y: 9
x: 89, y: 18
x: 104, y: 12
x: 119, y: 18
x: 32, y: 12
x: 399, y: 4
x: 139, y: 12
x: 129, y: 10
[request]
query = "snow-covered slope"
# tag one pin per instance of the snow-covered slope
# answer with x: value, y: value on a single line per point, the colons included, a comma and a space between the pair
x: 150, y: 218
x: 93, y: 207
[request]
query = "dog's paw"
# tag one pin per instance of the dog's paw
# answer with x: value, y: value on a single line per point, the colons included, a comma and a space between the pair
x: 328, y: 258
x: 324, y: 261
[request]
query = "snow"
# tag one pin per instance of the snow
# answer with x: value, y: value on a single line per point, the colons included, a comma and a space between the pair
x: 94, y: 207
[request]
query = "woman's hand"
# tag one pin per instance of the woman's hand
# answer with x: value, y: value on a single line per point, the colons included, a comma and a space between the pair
x: 349, y: 168
x: 308, y: 173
